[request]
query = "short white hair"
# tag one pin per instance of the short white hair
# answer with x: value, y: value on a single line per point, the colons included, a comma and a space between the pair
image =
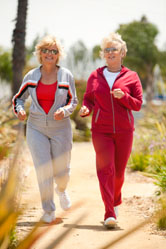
x: 116, y: 38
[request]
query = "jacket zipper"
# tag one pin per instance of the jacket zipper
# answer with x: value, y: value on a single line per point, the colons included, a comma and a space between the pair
x: 113, y: 113
x: 129, y: 116
x: 97, y: 115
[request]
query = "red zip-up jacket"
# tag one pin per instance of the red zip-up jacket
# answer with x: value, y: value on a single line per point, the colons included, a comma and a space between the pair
x: 111, y: 114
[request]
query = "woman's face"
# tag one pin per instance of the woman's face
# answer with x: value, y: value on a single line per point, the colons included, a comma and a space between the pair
x: 113, y: 53
x: 49, y: 55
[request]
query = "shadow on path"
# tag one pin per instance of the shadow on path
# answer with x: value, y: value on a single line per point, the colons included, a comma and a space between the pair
x: 34, y: 223
x: 92, y: 227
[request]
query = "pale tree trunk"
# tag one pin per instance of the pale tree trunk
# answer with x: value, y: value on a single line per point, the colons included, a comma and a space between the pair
x: 149, y: 84
x: 18, y: 39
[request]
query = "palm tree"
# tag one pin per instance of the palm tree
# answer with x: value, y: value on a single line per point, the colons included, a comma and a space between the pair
x: 18, y: 39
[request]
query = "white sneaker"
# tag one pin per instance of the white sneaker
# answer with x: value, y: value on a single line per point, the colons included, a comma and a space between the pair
x: 48, y: 217
x: 110, y: 222
x: 64, y: 199
x: 116, y: 211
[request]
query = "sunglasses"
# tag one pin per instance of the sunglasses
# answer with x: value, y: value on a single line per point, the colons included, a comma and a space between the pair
x: 47, y: 51
x: 111, y: 49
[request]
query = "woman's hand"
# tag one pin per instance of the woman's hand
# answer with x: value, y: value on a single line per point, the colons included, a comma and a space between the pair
x: 22, y: 115
x: 117, y: 93
x: 84, y: 111
x: 59, y: 114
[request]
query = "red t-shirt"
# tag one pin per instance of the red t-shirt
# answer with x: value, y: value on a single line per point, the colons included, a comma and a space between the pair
x: 46, y: 95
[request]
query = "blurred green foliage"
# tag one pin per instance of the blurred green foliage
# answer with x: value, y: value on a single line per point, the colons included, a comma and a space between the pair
x: 142, y: 55
x: 5, y: 66
x: 7, y: 131
x: 81, y: 131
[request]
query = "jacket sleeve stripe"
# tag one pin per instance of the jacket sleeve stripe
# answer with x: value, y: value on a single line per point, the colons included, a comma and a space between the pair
x: 69, y: 98
x: 21, y: 92
x: 63, y: 87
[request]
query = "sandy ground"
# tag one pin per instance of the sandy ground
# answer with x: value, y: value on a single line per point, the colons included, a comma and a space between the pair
x: 138, y: 205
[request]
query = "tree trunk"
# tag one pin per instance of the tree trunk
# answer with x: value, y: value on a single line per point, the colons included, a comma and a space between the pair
x: 18, y: 39
x: 149, y: 84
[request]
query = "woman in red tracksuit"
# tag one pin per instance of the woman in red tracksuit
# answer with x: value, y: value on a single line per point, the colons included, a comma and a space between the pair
x: 113, y: 91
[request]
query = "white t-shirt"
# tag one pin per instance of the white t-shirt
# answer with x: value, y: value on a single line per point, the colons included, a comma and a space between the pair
x: 110, y: 77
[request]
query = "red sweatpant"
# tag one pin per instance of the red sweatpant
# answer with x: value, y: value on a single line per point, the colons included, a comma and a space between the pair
x: 112, y: 154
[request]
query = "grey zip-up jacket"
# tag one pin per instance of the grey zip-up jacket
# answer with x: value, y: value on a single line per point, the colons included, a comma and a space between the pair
x: 65, y: 97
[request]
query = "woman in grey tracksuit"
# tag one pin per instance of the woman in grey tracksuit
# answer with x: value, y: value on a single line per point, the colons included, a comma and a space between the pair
x: 49, y: 134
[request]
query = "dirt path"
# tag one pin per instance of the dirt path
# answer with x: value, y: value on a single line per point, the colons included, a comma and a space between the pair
x: 90, y: 233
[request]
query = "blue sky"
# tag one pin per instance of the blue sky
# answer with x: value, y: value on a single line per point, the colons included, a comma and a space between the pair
x: 86, y: 20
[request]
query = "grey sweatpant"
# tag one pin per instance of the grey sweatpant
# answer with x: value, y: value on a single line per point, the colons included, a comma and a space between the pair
x: 50, y: 148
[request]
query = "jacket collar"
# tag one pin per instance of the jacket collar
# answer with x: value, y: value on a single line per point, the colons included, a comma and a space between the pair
x: 123, y: 70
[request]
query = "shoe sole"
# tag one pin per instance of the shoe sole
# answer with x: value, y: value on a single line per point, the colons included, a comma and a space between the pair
x: 111, y: 224
x: 46, y: 222
x: 66, y: 209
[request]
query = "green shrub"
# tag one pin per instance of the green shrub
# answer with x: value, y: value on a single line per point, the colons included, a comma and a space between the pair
x: 161, y: 214
x: 162, y: 222
x: 139, y: 161
x: 161, y: 179
x: 149, y: 153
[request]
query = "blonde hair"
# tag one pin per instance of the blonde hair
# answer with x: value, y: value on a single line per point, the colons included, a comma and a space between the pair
x: 116, y: 38
x: 47, y: 42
